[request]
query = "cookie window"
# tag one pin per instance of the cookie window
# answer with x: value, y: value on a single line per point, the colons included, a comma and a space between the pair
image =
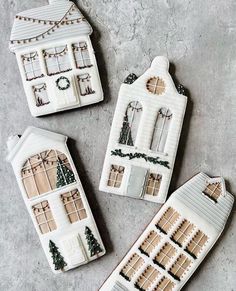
x: 57, y: 60
x: 31, y: 66
x: 150, y: 243
x: 147, y: 278
x: 165, y: 255
x: 165, y: 284
x: 213, y: 191
x: 153, y: 184
x: 156, y: 85
x: 179, y: 267
x: 115, y: 176
x: 43, y: 216
x: 161, y: 129
x: 81, y: 55
x: 196, y: 244
x: 74, y: 206
x: 40, y: 94
x: 132, y: 266
x: 45, y: 172
x: 183, y: 232
x: 85, y: 84
x: 130, y: 124
x: 168, y: 219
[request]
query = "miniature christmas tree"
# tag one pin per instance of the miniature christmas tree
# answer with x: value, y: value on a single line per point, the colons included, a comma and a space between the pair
x: 125, y: 135
x: 94, y: 246
x: 64, y: 175
x: 58, y: 259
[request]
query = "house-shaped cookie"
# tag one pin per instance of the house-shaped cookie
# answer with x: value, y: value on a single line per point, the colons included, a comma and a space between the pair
x: 55, y: 198
x: 144, y: 135
x: 176, y: 241
x: 56, y: 58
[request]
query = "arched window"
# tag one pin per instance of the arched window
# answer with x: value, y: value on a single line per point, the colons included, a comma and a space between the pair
x: 130, y: 123
x: 45, y: 172
x: 161, y: 129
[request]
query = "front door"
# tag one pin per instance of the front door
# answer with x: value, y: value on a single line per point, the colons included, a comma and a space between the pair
x: 136, y: 183
x: 73, y: 250
x: 65, y: 91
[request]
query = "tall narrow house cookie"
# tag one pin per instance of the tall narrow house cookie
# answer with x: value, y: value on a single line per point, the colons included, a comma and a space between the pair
x: 55, y: 198
x: 144, y: 135
x: 177, y: 240
x: 56, y: 58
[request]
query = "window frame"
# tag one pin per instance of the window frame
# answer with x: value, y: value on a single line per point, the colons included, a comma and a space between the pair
x: 151, y: 241
x: 168, y: 220
x: 167, y: 253
x: 157, y: 178
x: 130, y: 140
x: 77, y: 49
x: 161, y: 128
x: 56, y: 54
x: 34, y: 185
x: 85, y: 77
x: 196, y: 244
x: 182, y: 232
x: 180, y: 266
x: 209, y: 193
x: 32, y: 55
x: 149, y: 278
x: 43, y: 213
x: 131, y: 264
x: 120, y: 171
x: 75, y: 206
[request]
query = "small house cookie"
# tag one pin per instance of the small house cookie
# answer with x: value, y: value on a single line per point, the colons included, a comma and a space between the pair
x: 56, y: 58
x: 177, y: 240
x: 144, y: 135
x: 55, y: 198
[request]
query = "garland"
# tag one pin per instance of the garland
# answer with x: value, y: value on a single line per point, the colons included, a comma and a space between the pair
x: 56, y: 54
x: 134, y: 107
x: 131, y: 156
x: 82, y: 46
x: 56, y: 25
x: 32, y: 57
x: 42, y: 88
x: 74, y: 194
x: 83, y: 78
x: 44, y: 208
x: 165, y: 115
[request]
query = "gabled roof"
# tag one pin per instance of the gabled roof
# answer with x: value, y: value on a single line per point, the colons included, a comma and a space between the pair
x: 29, y: 130
x: 61, y: 19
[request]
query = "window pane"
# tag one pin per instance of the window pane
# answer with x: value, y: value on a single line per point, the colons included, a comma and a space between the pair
x: 115, y: 176
x: 40, y: 95
x: 183, y: 232
x: 161, y: 129
x: 43, y: 216
x: 153, y: 184
x: 150, y: 243
x: 57, y: 60
x: 85, y: 85
x: 196, y: 244
x: 81, y: 55
x: 74, y: 206
x: 165, y: 284
x: 179, y: 268
x: 45, y: 172
x: 168, y: 219
x: 165, y: 255
x: 132, y: 266
x: 31, y: 66
x: 147, y: 278
x: 130, y: 124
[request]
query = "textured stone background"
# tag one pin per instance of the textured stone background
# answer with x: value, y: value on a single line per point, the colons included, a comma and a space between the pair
x: 199, y: 39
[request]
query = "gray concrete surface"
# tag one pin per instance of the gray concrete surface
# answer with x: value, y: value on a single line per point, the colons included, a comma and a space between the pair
x: 199, y: 39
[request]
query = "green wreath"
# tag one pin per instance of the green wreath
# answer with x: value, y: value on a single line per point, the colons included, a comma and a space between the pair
x: 65, y: 83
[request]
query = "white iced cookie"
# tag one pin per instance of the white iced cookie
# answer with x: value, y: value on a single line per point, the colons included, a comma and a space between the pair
x: 144, y: 135
x: 177, y: 240
x: 56, y: 58
x: 55, y: 198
